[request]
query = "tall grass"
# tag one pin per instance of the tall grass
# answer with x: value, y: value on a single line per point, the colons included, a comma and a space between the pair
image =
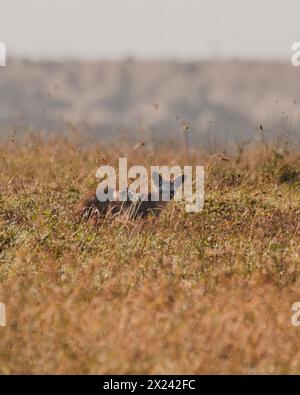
x: 183, y: 293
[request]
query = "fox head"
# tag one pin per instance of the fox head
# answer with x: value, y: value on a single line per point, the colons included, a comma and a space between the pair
x: 167, y: 188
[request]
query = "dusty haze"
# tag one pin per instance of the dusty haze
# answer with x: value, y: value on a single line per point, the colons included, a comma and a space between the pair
x: 150, y: 100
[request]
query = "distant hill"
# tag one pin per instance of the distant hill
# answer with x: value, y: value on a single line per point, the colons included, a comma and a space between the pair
x: 220, y: 100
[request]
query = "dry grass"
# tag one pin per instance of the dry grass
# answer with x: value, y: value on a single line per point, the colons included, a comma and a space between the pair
x: 183, y: 293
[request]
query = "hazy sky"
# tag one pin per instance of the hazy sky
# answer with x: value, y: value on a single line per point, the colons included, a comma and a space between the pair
x: 150, y: 28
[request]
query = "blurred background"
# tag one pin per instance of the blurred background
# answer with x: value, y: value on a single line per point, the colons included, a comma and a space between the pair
x: 142, y: 68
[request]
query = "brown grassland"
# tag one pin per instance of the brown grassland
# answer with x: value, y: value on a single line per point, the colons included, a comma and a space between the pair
x: 209, y: 292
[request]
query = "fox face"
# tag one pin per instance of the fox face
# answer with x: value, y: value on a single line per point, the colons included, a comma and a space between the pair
x: 167, y: 188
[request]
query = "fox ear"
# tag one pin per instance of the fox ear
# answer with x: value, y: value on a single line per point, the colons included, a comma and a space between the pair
x: 157, y: 179
x: 179, y: 180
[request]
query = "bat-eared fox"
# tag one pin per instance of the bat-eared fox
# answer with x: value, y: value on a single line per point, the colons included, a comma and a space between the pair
x: 140, y: 207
